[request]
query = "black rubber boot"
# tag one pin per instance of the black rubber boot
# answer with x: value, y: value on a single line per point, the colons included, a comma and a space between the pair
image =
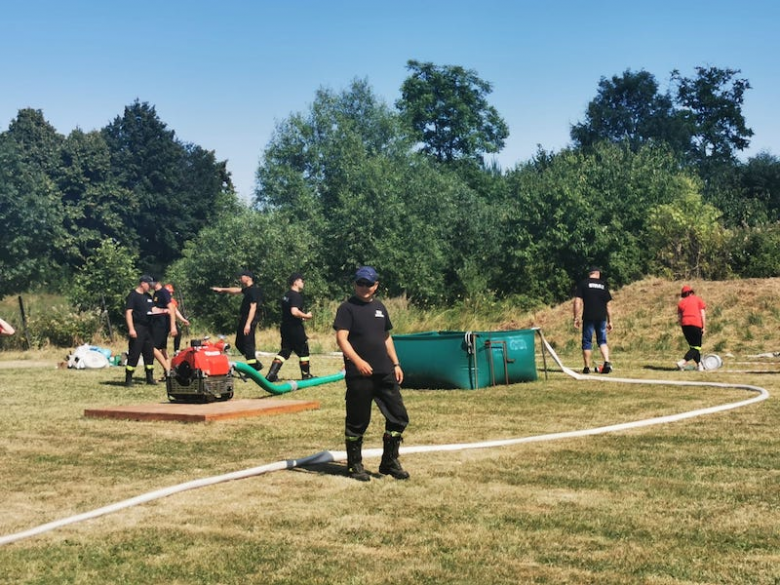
x: 128, y: 377
x: 390, y: 464
x: 255, y: 364
x: 273, y: 371
x: 305, y: 371
x: 355, y: 459
x: 150, y: 377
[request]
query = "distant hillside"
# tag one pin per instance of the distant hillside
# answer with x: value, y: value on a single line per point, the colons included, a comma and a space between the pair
x: 743, y: 317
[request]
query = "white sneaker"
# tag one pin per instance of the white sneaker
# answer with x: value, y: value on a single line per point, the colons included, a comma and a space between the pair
x: 701, y: 367
x: 681, y: 364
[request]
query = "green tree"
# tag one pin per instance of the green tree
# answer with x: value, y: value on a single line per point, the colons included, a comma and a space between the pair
x: 172, y: 190
x: 324, y: 168
x: 346, y: 169
x: 567, y: 210
x: 753, y: 251
x: 267, y: 243
x: 447, y: 108
x: 37, y: 142
x: 104, y: 281
x: 301, y: 166
x: 758, y: 201
x: 396, y: 217
x: 712, y: 105
x: 145, y: 160
x: 32, y: 222
x: 93, y: 206
x: 630, y: 108
x: 687, y: 238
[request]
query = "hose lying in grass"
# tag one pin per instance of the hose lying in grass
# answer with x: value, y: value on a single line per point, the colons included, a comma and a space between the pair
x: 331, y: 456
x: 284, y: 387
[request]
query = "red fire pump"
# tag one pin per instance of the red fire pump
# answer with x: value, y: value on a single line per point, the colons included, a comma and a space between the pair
x: 201, y: 373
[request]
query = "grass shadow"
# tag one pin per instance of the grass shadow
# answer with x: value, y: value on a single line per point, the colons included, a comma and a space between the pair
x: 335, y: 469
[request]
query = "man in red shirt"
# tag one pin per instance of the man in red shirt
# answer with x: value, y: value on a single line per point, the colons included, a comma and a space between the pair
x: 691, y: 313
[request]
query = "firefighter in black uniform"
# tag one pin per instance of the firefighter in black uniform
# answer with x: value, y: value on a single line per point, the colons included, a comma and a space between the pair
x: 293, y: 333
x: 372, y: 373
x: 163, y: 323
x: 138, y: 315
x: 248, y: 317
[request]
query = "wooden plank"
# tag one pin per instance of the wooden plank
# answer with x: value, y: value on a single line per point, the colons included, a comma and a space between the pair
x: 171, y: 411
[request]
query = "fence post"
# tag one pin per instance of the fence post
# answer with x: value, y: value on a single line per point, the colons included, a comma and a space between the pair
x: 24, y: 323
x: 108, y: 318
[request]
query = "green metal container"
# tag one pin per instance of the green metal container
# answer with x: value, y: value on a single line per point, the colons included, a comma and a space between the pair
x: 466, y: 359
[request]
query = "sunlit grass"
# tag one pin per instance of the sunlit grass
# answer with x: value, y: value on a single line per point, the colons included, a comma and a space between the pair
x: 691, y: 502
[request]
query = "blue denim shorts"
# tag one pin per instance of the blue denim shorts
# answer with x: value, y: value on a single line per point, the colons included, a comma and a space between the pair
x: 591, y: 327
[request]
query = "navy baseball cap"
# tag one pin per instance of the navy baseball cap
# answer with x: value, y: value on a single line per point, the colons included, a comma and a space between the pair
x: 147, y: 278
x: 366, y: 273
x: 246, y: 273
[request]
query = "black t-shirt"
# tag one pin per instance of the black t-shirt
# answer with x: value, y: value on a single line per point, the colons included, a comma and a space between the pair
x: 368, y: 325
x: 141, y: 304
x: 292, y: 299
x: 251, y: 294
x: 162, y: 299
x: 595, y: 296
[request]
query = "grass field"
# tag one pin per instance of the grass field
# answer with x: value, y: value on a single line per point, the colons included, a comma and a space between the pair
x: 696, y: 501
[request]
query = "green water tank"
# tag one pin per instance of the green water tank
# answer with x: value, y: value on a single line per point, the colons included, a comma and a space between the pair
x: 466, y: 359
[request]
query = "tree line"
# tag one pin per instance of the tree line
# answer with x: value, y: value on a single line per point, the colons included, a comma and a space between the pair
x: 650, y: 184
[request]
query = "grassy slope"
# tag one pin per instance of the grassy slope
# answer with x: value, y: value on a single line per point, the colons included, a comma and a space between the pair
x: 742, y: 318
x: 692, y: 502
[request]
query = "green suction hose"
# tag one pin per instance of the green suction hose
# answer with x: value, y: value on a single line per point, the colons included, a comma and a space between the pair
x: 284, y: 387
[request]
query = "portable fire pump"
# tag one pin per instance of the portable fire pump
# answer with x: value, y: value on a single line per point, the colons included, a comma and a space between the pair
x: 201, y: 373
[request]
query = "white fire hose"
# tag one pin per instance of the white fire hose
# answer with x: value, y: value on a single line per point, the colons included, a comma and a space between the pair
x: 331, y: 456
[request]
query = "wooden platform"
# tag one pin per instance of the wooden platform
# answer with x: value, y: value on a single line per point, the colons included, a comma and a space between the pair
x: 203, y: 412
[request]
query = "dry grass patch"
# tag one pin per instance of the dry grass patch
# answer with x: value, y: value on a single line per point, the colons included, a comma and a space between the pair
x: 691, y: 502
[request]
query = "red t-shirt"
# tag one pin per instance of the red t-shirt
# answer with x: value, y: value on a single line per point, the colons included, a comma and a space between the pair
x: 690, y: 309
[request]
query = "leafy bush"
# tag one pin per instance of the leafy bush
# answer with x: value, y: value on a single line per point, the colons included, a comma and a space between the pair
x: 63, y: 327
x: 754, y: 252
x: 688, y: 238
x: 104, y: 281
x: 266, y: 244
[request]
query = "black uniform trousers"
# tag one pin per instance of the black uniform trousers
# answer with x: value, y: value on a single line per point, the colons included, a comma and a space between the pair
x: 161, y: 327
x: 382, y: 389
x: 294, y: 340
x: 246, y: 343
x: 142, y: 345
x: 693, y: 335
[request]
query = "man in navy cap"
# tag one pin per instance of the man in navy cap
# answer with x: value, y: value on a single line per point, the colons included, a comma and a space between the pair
x: 372, y: 374
x: 138, y: 316
x: 248, y: 316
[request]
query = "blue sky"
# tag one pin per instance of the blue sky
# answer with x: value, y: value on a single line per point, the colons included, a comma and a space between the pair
x: 222, y: 74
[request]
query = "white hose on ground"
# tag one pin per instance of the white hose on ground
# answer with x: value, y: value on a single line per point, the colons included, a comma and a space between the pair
x: 331, y: 456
